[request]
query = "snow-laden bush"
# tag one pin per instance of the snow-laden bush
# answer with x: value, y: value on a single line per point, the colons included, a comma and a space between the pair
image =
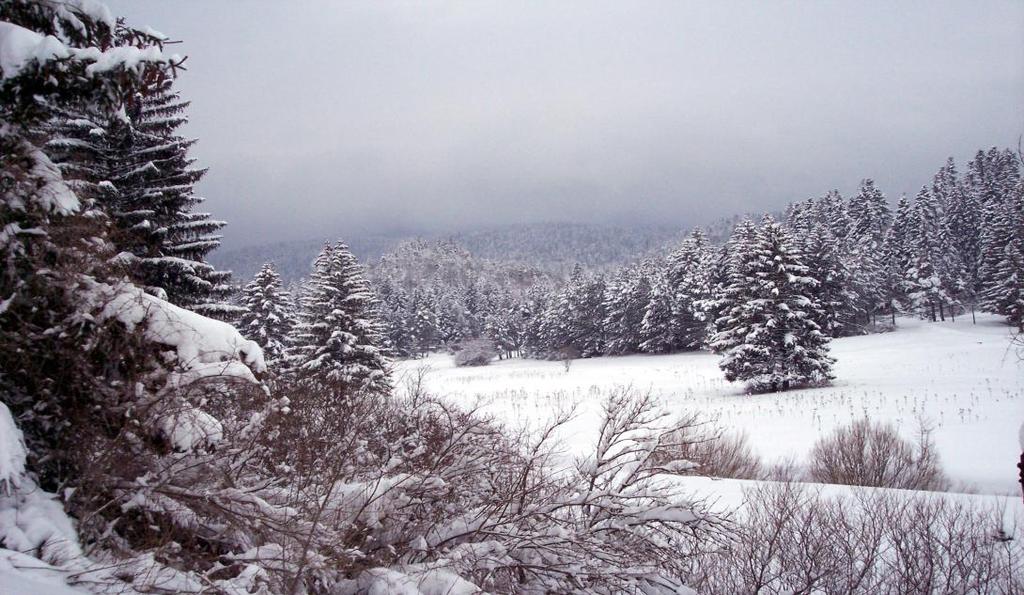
x: 392, y: 492
x: 475, y: 352
x: 868, y: 453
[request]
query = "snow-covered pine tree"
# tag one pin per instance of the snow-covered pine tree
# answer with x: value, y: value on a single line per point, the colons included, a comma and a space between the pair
x: 897, y: 254
x: 869, y: 213
x: 831, y: 211
x: 729, y: 271
x: 505, y: 326
x: 423, y: 324
x: 1004, y: 293
x: 962, y: 223
x: 625, y: 303
x: 572, y: 323
x: 835, y: 292
x: 535, y: 305
x: 135, y: 167
x: 395, y: 316
x: 689, y: 277
x: 870, y: 219
x: 934, y: 276
x: 993, y: 177
x: 269, y: 313
x: 769, y: 337
x: 658, y: 325
x: 339, y: 338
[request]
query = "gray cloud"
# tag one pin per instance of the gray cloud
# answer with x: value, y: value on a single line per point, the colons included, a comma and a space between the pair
x: 330, y: 117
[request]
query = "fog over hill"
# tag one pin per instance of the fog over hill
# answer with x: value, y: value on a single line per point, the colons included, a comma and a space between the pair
x: 553, y: 247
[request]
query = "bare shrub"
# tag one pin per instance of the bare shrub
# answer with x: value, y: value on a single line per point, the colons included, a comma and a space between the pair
x: 873, y: 454
x: 718, y: 453
x: 412, y: 485
x: 789, y: 538
x: 475, y: 352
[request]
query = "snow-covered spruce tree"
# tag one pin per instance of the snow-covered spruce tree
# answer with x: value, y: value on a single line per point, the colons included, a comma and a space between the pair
x: 535, y: 306
x: 1004, y: 293
x: 991, y: 179
x: 625, y: 303
x: 572, y: 322
x: 395, y: 316
x: 729, y: 272
x: 897, y: 254
x: 689, y: 276
x: 505, y: 326
x: 870, y: 218
x: 339, y: 338
x: 137, y: 170
x: 657, y: 328
x: 934, y: 276
x: 836, y: 292
x: 831, y: 212
x: 768, y: 337
x: 269, y: 313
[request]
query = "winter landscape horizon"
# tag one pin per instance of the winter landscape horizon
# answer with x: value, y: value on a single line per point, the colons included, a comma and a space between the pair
x: 369, y: 298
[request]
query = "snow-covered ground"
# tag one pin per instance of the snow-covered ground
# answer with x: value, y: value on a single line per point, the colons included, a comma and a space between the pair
x: 962, y: 378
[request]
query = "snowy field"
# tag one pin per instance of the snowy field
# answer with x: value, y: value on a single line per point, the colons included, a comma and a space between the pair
x: 963, y: 379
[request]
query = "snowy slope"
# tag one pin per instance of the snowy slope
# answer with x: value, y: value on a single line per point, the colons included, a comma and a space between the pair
x: 963, y: 378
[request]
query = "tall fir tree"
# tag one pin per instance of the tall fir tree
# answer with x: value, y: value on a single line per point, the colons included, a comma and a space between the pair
x: 136, y: 168
x: 1004, y: 292
x: 730, y: 271
x: 625, y: 302
x: 269, y: 313
x: 934, y: 276
x: 572, y: 324
x: 339, y: 336
x: 897, y: 251
x: 690, y: 281
x: 769, y: 338
x: 870, y: 219
x: 658, y: 332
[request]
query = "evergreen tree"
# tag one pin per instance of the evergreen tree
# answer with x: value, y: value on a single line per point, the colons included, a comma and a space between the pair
x: 769, y: 337
x: 625, y: 303
x: 505, y: 326
x: 658, y: 325
x: 339, y: 336
x: 962, y: 223
x: 934, y: 275
x: 897, y: 255
x: 572, y: 323
x: 730, y: 272
x: 870, y: 219
x: 396, y: 317
x: 1004, y: 294
x: 424, y: 335
x: 689, y: 279
x: 135, y: 167
x: 835, y: 290
x: 269, y: 313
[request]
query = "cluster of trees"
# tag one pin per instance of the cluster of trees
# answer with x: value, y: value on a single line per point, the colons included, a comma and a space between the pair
x: 147, y: 447
x: 331, y: 331
x: 955, y: 248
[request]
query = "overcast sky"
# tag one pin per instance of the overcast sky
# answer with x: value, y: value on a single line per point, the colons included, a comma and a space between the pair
x: 337, y: 117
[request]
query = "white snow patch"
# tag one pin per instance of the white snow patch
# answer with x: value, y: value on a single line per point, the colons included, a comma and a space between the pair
x: 20, y: 46
x: 956, y: 375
